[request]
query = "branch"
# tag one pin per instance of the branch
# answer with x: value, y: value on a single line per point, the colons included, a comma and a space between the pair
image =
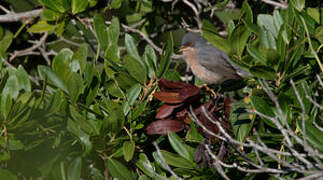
x: 276, y: 4
x: 30, y: 49
x: 14, y: 17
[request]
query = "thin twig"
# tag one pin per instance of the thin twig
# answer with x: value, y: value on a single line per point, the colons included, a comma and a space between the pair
x: 276, y: 4
x: 14, y: 17
x: 30, y: 49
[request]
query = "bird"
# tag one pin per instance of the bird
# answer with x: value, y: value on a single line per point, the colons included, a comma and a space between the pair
x: 210, y: 64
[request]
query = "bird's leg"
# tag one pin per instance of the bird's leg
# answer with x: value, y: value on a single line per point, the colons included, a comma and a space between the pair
x: 211, y: 91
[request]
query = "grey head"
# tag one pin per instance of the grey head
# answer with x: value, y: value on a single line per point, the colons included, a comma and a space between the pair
x: 193, y: 40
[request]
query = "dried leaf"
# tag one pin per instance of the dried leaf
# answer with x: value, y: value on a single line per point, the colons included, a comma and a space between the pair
x: 166, y: 110
x: 169, y: 97
x: 164, y: 126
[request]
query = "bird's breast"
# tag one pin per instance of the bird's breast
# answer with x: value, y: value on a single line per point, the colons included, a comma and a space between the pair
x: 201, y: 72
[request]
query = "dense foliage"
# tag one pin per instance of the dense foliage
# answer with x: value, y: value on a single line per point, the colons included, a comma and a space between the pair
x: 81, y: 80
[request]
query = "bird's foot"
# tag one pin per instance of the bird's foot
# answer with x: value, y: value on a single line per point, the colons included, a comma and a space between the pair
x: 211, y: 91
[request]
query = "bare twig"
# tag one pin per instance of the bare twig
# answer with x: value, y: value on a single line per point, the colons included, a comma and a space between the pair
x: 30, y: 49
x: 34, y: 80
x: 13, y: 17
x: 164, y: 162
x: 276, y: 4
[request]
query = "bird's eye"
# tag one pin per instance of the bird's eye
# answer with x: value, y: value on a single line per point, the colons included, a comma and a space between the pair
x: 191, y: 44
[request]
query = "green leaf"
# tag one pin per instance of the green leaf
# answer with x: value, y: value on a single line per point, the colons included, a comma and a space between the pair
x: 263, y: 71
x: 246, y: 12
x: 41, y: 27
x: 6, y: 174
x: 144, y: 164
x: 115, y: 119
x: 116, y: 4
x: 319, y: 33
x: 254, y: 52
x: 263, y: 107
x: 136, y: 69
x: 6, y: 105
x: 128, y: 150
x: 314, y: 13
x: 131, y: 47
x: 240, y: 120
x: 215, y: 39
x: 84, y: 138
x: 239, y: 39
x: 61, y: 64
x: 150, y: 60
x: 193, y: 135
x: 174, y: 160
x: 313, y: 135
x: 119, y: 170
x: 298, y: 4
x: 101, y: 31
x: 60, y: 27
x: 46, y: 73
x: 79, y: 6
x: 133, y: 94
x: 179, y: 146
x: 50, y: 15
x: 75, y: 86
x: 11, y: 88
x: 114, y: 31
x: 81, y: 56
x: 5, y: 42
x: 167, y: 57
x: 112, y: 53
x: 57, y: 5
x: 74, y: 169
x: 23, y: 79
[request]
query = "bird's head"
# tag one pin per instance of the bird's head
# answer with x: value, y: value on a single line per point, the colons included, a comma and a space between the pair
x: 192, y: 41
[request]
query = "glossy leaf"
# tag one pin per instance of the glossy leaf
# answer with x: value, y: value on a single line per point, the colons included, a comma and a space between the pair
x: 41, y: 27
x: 75, y: 86
x: 119, y: 170
x: 48, y: 74
x: 133, y: 93
x: 128, y: 150
x: 79, y: 6
x: 74, y: 169
x: 144, y: 164
x: 5, y: 42
x: 166, y: 58
x: 135, y: 69
x: 176, y: 161
x: 179, y: 146
x: 101, y: 31
x: 61, y: 64
x: 263, y: 71
x: 81, y: 56
x: 254, y: 52
x: 131, y: 47
x: 164, y: 126
x: 57, y: 5
x: 215, y: 39
x: 240, y: 121
x: 6, y: 174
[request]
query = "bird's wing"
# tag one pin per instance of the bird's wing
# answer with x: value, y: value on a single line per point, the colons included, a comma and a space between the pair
x: 217, y: 61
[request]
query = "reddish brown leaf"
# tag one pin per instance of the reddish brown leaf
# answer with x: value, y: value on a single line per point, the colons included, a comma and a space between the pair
x: 227, y: 105
x: 164, y: 126
x: 189, y: 91
x: 165, y: 84
x: 169, y: 97
x: 165, y: 110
